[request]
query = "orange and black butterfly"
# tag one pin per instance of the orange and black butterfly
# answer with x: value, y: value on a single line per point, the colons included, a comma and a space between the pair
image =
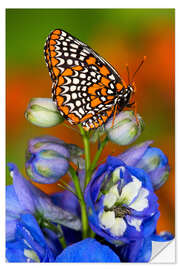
x: 86, y: 88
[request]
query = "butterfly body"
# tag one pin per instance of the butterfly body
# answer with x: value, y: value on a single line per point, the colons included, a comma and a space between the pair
x: 85, y: 86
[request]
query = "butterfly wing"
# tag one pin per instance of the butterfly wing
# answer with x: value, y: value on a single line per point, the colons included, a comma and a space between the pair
x: 84, y: 84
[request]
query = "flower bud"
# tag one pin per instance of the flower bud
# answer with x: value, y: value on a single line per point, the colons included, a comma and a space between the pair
x: 155, y: 163
x: 42, y: 112
x: 96, y: 134
x: 75, y: 155
x: 125, y: 129
x: 47, y: 159
x: 152, y: 160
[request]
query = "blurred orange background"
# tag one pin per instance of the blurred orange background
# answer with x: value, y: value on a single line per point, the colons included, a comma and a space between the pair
x: 121, y: 36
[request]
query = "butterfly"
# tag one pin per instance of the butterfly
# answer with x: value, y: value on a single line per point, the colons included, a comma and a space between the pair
x: 86, y: 88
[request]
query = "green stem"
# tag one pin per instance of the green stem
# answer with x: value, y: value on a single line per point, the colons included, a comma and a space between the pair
x: 62, y: 239
x: 79, y: 193
x: 57, y: 230
x: 89, y: 168
x: 92, y: 234
x: 98, y: 153
x: 85, y: 136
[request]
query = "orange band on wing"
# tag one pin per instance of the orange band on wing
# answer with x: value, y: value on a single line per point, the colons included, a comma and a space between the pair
x: 92, y: 89
x: 54, y: 61
x: 67, y: 72
x: 58, y: 90
x: 87, y: 116
x: 95, y: 102
x: 61, y: 80
x: 65, y: 109
x: 119, y: 87
x: 74, y: 118
x: 60, y: 100
x: 53, y: 53
x: 104, y: 71
x: 56, y: 71
x: 77, y: 68
x: 91, y: 60
x: 105, y: 81
x: 54, y: 36
x: 57, y: 32
x: 52, y: 42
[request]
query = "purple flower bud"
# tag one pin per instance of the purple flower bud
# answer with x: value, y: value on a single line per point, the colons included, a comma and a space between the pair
x: 125, y: 129
x: 155, y: 163
x: 75, y: 155
x: 150, y: 159
x: 42, y: 112
x: 47, y: 159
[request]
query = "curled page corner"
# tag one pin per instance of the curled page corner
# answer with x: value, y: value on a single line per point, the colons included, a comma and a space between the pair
x: 163, y: 252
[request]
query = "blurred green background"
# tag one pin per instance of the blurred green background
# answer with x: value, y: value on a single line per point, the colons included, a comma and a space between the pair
x: 121, y: 36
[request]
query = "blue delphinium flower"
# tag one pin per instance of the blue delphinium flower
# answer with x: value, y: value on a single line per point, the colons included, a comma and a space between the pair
x: 150, y: 159
x: 88, y: 250
x: 121, y: 204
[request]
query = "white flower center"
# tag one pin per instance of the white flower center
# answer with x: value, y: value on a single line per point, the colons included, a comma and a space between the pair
x: 118, y: 205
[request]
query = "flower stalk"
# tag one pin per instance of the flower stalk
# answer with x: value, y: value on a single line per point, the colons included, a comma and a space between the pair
x: 85, y: 136
x: 98, y: 153
x: 79, y: 193
x: 57, y: 230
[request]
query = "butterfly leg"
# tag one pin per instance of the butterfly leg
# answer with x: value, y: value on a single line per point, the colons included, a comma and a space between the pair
x: 130, y: 104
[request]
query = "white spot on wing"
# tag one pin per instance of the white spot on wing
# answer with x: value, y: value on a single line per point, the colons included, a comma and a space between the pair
x: 75, y: 81
x: 78, y: 103
x: 74, y: 95
x: 73, y: 87
x: 69, y: 61
x: 61, y: 61
x: 74, y: 45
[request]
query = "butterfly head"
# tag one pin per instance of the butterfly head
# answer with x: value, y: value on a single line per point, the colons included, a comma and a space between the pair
x: 130, y: 90
x: 125, y: 96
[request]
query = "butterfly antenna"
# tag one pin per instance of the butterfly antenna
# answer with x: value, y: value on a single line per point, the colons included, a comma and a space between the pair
x: 138, y: 68
x: 128, y: 73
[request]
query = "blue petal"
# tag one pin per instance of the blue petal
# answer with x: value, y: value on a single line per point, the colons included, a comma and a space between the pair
x: 88, y: 250
x: 13, y: 207
x: 136, y: 251
x: 29, y: 230
x: 149, y: 225
x: 22, y: 190
x: 141, y: 175
x: 134, y: 154
x: 15, y: 252
x: 36, y: 144
x: 28, y: 237
x: 10, y: 229
x: 145, y: 162
x: 68, y: 201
